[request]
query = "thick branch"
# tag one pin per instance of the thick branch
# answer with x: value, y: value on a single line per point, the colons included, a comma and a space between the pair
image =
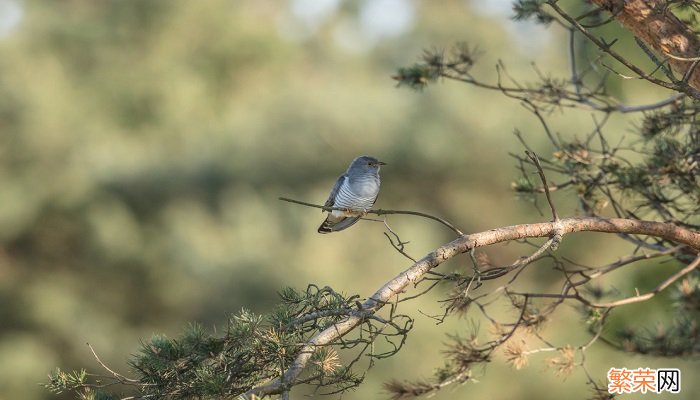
x: 458, y: 246
x: 657, y: 26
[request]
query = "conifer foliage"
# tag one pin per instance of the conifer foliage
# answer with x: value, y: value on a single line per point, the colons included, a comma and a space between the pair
x: 646, y: 191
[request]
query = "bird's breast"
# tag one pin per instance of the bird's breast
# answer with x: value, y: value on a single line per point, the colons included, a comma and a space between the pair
x: 358, y: 193
x: 365, y: 187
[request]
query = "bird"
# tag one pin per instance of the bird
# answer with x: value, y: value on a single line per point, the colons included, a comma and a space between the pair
x: 355, y: 192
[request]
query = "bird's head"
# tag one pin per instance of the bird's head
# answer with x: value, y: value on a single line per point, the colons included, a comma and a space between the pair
x: 366, y: 163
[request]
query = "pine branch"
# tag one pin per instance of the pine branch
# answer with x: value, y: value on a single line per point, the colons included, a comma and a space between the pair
x: 458, y: 246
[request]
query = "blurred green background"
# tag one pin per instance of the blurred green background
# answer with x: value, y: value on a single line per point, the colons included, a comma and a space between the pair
x: 144, y: 144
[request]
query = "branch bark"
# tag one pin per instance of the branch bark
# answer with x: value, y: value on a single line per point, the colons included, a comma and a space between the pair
x: 657, y: 26
x: 458, y: 246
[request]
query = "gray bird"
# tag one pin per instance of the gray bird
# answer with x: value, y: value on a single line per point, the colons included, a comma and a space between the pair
x: 355, y: 191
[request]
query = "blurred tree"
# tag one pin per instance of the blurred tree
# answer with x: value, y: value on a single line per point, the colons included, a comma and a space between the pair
x: 646, y: 192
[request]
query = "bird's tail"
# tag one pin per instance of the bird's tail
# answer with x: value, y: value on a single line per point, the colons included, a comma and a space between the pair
x: 329, y: 225
x: 326, y: 227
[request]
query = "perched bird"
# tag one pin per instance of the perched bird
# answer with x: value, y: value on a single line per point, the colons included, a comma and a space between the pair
x: 355, y: 191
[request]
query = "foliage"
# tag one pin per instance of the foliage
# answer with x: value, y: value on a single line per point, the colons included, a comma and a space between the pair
x: 653, y: 176
x: 526, y: 9
x: 253, y: 348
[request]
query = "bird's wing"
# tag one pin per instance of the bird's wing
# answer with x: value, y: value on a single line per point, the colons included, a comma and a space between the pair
x: 375, y: 198
x: 334, y: 192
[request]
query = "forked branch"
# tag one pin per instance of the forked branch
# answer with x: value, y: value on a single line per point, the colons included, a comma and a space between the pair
x: 462, y: 244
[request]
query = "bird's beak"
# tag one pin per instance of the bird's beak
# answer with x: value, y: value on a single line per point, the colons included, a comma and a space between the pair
x: 381, y: 163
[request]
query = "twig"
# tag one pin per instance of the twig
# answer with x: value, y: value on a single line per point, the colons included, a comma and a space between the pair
x: 530, y: 106
x: 379, y: 212
x: 575, y: 79
x: 660, y: 64
x: 592, y: 100
x: 635, y: 299
x: 598, y: 272
x: 117, y: 375
x: 497, y: 272
x: 651, y: 106
x: 690, y: 70
x: 536, y: 161
x: 399, y: 245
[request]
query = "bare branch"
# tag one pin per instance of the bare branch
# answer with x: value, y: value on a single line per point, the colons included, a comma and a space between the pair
x: 651, y: 106
x: 380, y: 212
x: 545, y: 185
x: 399, y: 244
x: 624, y: 262
x: 121, y: 378
x: 636, y: 299
x: 458, y: 246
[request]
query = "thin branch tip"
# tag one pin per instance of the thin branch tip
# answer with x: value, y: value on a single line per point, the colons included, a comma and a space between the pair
x: 536, y: 160
x: 380, y: 212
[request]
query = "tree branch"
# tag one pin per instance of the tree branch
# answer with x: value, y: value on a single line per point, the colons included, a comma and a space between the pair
x: 657, y: 26
x: 657, y: 29
x: 380, y: 212
x: 452, y: 249
x: 545, y: 185
x: 642, y: 297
